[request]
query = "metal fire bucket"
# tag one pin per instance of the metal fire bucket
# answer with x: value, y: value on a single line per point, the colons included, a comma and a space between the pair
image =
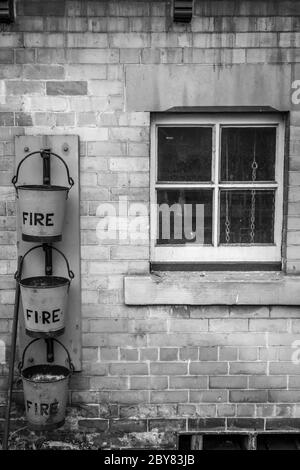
x: 45, y: 300
x: 42, y: 207
x: 45, y: 392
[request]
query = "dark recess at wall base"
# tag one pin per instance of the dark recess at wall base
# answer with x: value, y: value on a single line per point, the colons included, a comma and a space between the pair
x: 239, y: 441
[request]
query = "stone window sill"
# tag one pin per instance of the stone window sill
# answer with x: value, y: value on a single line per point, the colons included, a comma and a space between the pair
x: 207, y: 288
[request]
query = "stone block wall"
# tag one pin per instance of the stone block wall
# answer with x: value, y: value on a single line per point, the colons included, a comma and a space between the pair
x: 147, y: 372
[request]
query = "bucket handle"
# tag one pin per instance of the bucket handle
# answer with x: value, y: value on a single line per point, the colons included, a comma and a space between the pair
x: 21, y: 363
x: 41, y: 152
x: 18, y: 273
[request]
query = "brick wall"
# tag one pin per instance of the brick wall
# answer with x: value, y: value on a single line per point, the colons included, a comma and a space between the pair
x: 148, y: 372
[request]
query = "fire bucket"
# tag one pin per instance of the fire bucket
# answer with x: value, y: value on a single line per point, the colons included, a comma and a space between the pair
x: 45, y: 392
x: 42, y: 207
x: 42, y: 212
x: 45, y: 300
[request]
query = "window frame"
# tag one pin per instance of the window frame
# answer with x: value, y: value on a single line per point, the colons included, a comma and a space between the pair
x: 217, y: 254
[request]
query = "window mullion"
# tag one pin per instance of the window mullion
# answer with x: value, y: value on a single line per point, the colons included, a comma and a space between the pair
x: 216, y: 157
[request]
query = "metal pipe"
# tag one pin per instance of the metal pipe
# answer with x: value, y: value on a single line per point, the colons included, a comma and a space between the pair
x: 12, y: 359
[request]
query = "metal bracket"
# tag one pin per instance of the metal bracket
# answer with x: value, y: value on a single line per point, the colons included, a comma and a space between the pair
x: 48, y: 271
x: 50, y: 349
x: 48, y: 259
x: 45, y: 154
x: 183, y: 11
x: 7, y: 11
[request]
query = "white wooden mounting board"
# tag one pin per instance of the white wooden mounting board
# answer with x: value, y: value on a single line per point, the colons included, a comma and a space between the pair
x: 31, y: 172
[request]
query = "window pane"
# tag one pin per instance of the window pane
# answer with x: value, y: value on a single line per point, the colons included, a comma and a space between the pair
x: 184, y: 153
x: 247, y: 216
x: 248, y: 154
x: 184, y: 216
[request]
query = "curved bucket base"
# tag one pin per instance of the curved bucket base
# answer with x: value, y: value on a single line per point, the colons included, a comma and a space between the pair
x: 46, y: 427
x: 46, y: 389
x: 33, y: 238
x: 41, y: 334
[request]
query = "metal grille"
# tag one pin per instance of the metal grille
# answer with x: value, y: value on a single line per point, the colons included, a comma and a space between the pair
x: 252, y: 218
x: 6, y: 10
x: 183, y: 11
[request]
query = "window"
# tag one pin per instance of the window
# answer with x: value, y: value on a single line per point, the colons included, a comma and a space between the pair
x: 217, y: 188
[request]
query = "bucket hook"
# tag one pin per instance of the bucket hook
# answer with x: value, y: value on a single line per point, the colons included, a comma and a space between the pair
x: 45, y: 154
x: 21, y: 363
x: 18, y: 273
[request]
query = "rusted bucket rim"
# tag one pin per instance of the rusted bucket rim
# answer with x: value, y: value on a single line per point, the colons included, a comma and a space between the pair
x: 42, y: 187
x: 44, y: 282
x: 29, y: 372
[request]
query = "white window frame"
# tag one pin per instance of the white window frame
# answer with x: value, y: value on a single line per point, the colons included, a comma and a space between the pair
x: 218, y: 254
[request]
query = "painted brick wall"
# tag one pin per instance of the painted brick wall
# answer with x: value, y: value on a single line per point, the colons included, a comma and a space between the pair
x: 148, y: 372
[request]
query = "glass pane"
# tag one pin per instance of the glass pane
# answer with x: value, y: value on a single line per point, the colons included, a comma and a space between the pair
x: 248, y: 154
x: 247, y: 216
x: 184, y: 153
x: 184, y: 216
